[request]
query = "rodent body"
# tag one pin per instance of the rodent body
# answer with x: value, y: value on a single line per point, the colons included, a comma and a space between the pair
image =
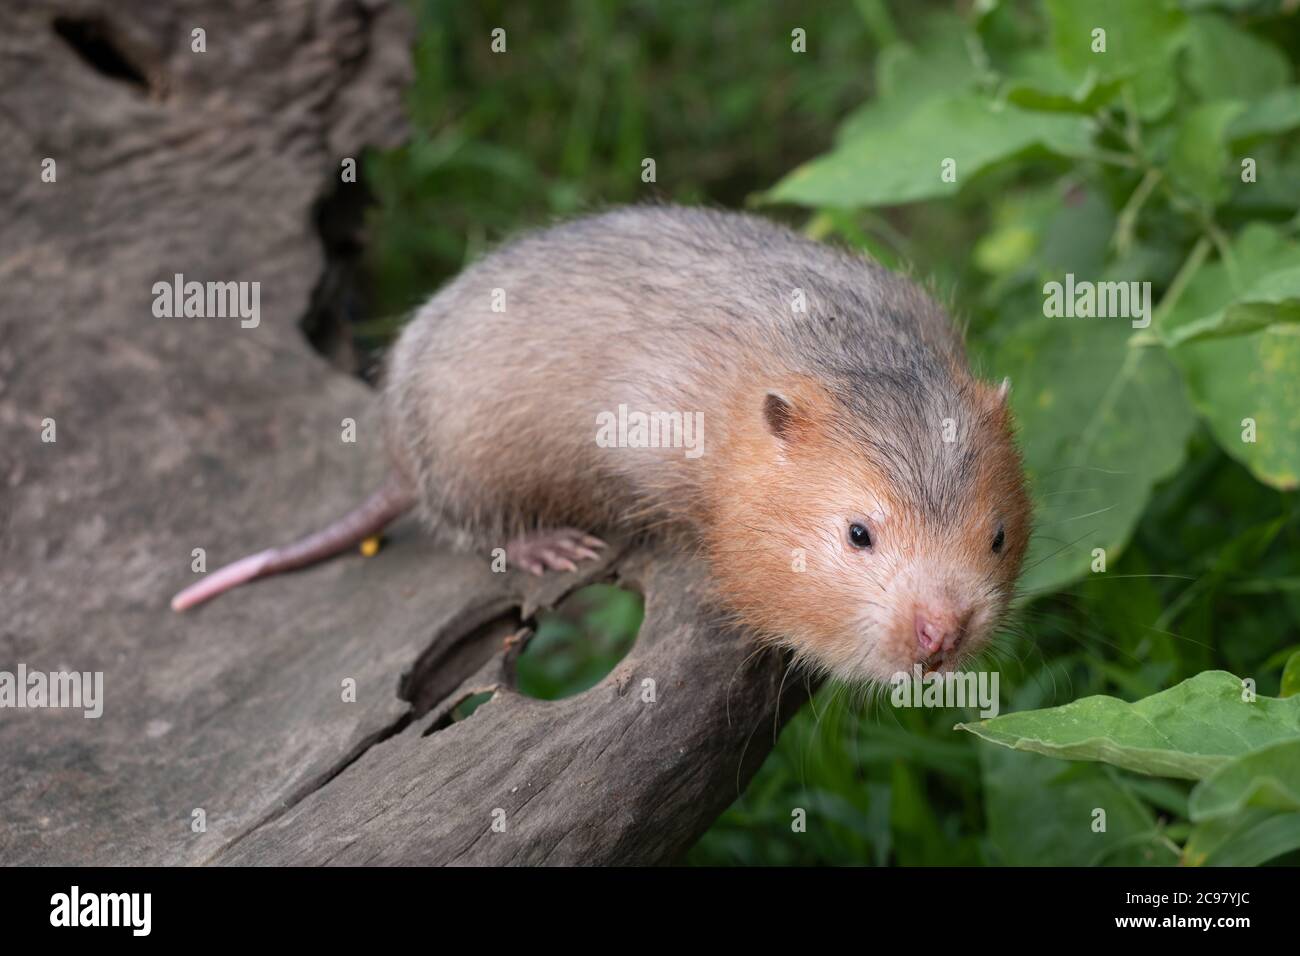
x: 845, y: 476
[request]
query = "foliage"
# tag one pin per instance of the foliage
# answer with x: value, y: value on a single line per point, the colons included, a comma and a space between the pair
x: 1117, y: 166
x: 579, y: 642
x: 559, y: 124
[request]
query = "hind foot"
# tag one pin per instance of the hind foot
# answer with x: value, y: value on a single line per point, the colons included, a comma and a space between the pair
x: 556, y: 549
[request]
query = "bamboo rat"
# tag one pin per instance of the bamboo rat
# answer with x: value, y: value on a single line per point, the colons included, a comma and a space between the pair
x: 804, y: 417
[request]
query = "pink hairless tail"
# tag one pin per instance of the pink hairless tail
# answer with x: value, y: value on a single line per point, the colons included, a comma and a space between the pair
x: 391, y: 500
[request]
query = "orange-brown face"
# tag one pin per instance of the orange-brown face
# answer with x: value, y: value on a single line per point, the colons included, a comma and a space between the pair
x: 867, y: 564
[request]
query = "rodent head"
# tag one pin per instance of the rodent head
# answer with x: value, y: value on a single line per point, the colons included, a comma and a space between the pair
x: 874, y: 528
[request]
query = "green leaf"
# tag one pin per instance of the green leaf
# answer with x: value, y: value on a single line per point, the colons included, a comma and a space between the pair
x: 1291, y: 676
x: 1248, y: 390
x: 901, y: 160
x: 1226, y: 62
x: 1255, y: 375
x: 1166, y: 795
x: 1249, y: 839
x: 940, y: 62
x: 1273, y: 298
x: 1100, y: 424
x: 1275, y: 112
x: 1268, y: 777
x: 1037, y: 81
x: 1190, y: 730
x: 907, y: 76
x: 1142, y: 40
x: 1041, y: 813
x: 1200, y: 152
x: 1258, y: 251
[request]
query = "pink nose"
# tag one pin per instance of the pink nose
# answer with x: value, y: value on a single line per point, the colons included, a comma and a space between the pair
x: 940, y: 630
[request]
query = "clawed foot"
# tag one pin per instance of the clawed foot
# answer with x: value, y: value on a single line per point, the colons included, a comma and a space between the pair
x: 557, y: 549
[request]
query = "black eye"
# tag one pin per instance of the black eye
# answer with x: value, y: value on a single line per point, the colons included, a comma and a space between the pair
x: 998, y: 540
x: 859, y: 536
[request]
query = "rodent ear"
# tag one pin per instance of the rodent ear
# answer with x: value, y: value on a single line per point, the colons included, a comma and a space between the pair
x: 793, y: 408
x: 1003, y: 391
x: 778, y: 414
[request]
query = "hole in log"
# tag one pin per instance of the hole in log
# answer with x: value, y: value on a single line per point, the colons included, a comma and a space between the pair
x: 463, y: 710
x: 98, y: 44
x: 579, y: 642
x: 338, y: 314
x: 439, y: 670
x: 466, y: 707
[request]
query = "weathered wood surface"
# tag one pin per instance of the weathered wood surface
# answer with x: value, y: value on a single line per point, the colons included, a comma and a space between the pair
x: 174, y: 434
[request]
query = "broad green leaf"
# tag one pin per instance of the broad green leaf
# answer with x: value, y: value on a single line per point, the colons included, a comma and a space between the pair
x: 1274, y: 112
x: 1258, y: 251
x: 1037, y: 81
x: 904, y: 162
x: 940, y: 62
x: 1268, y: 777
x: 1282, y: 656
x: 1100, y: 423
x: 907, y: 76
x: 1252, y: 377
x: 1161, y: 793
x: 1142, y: 40
x: 1190, y: 730
x: 1248, y: 839
x: 1248, y: 390
x: 1041, y: 813
x: 1226, y: 62
x: 1097, y: 426
x: 1199, y: 157
x: 1291, y: 676
x: 1273, y: 298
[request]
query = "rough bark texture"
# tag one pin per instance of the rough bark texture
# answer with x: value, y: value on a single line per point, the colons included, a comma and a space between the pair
x: 174, y: 434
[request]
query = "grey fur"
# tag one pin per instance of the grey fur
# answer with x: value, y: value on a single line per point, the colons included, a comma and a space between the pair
x: 492, y: 415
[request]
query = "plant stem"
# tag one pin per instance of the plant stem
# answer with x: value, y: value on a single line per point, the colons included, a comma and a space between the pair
x: 1126, y: 225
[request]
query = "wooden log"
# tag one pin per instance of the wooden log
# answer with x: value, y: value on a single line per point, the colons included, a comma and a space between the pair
x: 174, y: 434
